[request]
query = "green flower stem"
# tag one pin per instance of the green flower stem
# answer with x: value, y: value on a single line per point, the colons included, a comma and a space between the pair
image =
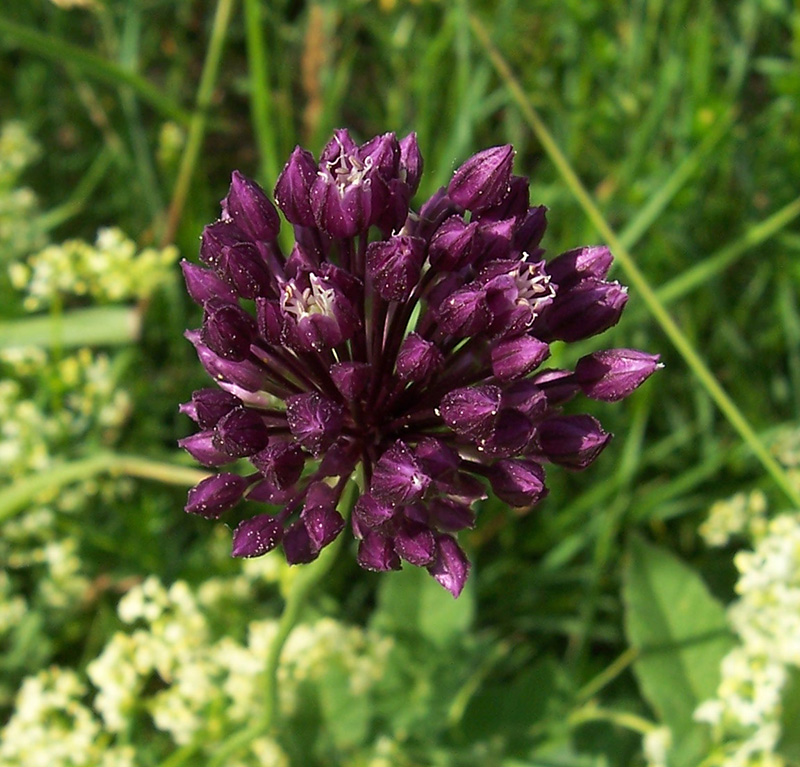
x: 90, y: 64
x: 197, y: 126
x: 260, y: 97
x: 15, y: 498
x: 608, y: 674
x: 636, y: 278
x: 305, y: 581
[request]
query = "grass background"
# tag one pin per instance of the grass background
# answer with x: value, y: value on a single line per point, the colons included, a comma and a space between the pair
x: 669, y: 130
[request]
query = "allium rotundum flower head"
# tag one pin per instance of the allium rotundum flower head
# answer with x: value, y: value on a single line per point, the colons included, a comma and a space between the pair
x: 411, y: 343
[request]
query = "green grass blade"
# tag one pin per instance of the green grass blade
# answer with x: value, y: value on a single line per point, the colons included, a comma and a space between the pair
x: 91, y: 65
x: 636, y: 278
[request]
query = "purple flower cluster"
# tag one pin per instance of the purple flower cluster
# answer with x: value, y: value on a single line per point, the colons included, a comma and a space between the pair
x: 410, y: 343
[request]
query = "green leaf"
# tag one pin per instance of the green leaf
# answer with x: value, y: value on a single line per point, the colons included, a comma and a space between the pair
x: 681, y: 634
x: 410, y: 600
x: 347, y: 714
x: 93, y: 326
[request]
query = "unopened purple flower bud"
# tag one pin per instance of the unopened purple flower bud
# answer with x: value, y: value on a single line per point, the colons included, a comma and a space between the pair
x: 314, y: 420
x: 227, y: 330
x: 513, y: 206
x: 281, y: 462
x: 483, y: 180
x: 472, y: 411
x: 465, y: 312
x: 243, y: 267
x: 453, y: 246
x: 559, y: 386
x: 528, y: 398
x: 410, y: 161
x: 370, y: 512
x: 203, y: 284
x: 531, y: 230
x: 516, y: 357
x: 395, y: 266
x: 201, y: 447
x: 297, y: 545
x: 585, y: 310
x: 398, y: 477
x: 251, y: 209
x: 245, y: 374
x: 415, y: 543
x: 518, y: 482
x: 376, y: 552
x: 241, y: 432
x: 351, y: 378
x: 417, y: 359
x: 433, y: 212
x: 269, y: 320
x: 451, y: 566
x: 572, y: 440
x: 512, y: 432
x: 215, y: 237
x: 578, y: 264
x: 612, y: 374
x: 216, y: 495
x: 256, y: 536
x: 451, y: 516
x: 209, y: 405
x: 320, y: 517
x: 293, y: 189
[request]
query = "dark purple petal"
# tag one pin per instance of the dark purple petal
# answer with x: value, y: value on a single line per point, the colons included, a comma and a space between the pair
x: 297, y: 545
x: 415, y: 543
x: 251, y: 209
x: 572, y: 440
x: 351, y: 378
x: 293, y: 189
x: 323, y: 522
x: 395, y: 266
x: 516, y: 357
x: 451, y: 516
x: 256, y: 536
x: 244, y: 374
x: 209, y: 405
x: 454, y: 244
x: 201, y: 447
x: 241, y: 433
x: 371, y: 513
x: 203, y: 284
x: 527, y: 398
x: 613, y: 374
x: 315, y: 420
x: 451, y: 566
x: 410, y: 161
x: 216, y: 495
x: 472, y: 411
x: 514, y: 205
x: 227, y: 330
x: 571, y: 267
x: 417, y: 359
x: 558, y: 385
x: 465, y: 312
x: 376, y: 552
x: 483, y: 181
x: 398, y: 476
x: 518, y: 482
x: 583, y: 311
x: 245, y: 269
x: 511, y: 433
x: 530, y: 232
x: 281, y: 462
x: 215, y: 237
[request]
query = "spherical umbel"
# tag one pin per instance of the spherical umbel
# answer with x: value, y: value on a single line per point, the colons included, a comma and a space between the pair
x: 406, y: 344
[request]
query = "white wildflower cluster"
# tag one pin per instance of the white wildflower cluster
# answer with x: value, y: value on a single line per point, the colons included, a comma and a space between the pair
x: 19, y: 231
x: 53, y: 727
x: 208, y: 678
x: 111, y: 270
x: 742, y: 515
x: 745, y: 715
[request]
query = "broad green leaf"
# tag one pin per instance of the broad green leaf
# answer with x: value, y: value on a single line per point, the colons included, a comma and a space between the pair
x: 347, y: 714
x: 681, y: 634
x: 411, y: 600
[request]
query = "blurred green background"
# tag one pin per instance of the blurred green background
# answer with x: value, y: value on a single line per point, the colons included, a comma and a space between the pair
x: 594, y: 626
